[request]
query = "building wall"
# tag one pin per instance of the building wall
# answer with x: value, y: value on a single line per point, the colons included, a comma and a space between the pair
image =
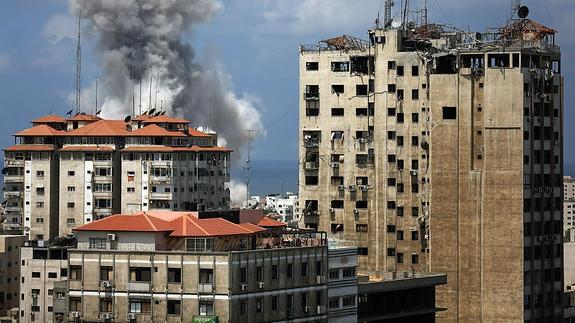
x: 569, y: 269
x: 10, y: 271
x: 342, y: 284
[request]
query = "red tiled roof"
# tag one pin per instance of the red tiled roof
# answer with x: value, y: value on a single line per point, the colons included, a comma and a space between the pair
x: 171, y: 215
x: 40, y: 130
x: 155, y: 130
x: 147, y: 148
x: 49, y: 119
x: 141, y: 117
x: 202, y: 149
x: 84, y: 117
x: 267, y: 222
x: 174, y: 149
x: 165, y: 119
x: 30, y: 148
x: 101, y: 128
x: 189, y: 226
x: 87, y: 148
x: 137, y: 223
x: 196, y: 133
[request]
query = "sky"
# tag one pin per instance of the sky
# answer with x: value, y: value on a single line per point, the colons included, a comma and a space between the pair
x: 255, y: 43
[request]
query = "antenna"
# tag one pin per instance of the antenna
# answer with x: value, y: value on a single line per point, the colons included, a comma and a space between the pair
x: 156, y: 94
x: 387, y: 17
x: 78, y: 63
x: 210, y: 116
x: 140, y: 54
x: 424, y: 13
x: 248, y: 167
x: 97, y: 79
x: 151, y: 80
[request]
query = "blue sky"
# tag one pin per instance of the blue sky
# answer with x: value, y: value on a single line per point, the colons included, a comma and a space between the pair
x: 256, y: 41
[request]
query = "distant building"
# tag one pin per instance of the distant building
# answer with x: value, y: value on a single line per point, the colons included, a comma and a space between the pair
x: 67, y: 172
x: 286, y: 208
x: 342, y: 285
x: 569, y: 208
x: 10, y: 246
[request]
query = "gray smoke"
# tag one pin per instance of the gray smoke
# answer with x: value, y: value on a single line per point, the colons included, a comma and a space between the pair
x: 139, y: 40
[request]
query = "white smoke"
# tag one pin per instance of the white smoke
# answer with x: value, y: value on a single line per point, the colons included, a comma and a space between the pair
x: 146, y: 64
x: 238, y: 192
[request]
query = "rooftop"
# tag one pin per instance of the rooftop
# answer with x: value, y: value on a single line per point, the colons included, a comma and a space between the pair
x: 49, y: 119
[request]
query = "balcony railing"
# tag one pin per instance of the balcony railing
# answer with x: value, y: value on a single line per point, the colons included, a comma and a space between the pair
x: 11, y: 194
x: 311, y: 96
x: 14, y: 179
x: 13, y: 163
x: 139, y: 286
x: 160, y: 196
x: 205, y: 288
x: 13, y: 209
x: 160, y: 179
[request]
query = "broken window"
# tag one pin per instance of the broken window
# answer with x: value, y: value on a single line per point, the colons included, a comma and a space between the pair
x: 312, y: 108
x: 400, y: 94
x: 337, y: 88
x: 312, y: 92
x: 336, y: 180
x: 361, y: 90
x: 361, y: 204
x: 311, y: 139
x: 525, y: 60
x: 361, y: 159
x: 449, y: 113
x: 515, y: 60
x: 311, y: 206
x: 336, y: 227
x: 472, y: 61
x: 361, y: 180
x: 311, y: 180
x: 361, y: 112
x: 312, y: 66
x: 446, y: 64
x: 336, y: 158
x: 415, y: 70
x: 391, y: 88
x: 339, y: 66
x: 337, y: 112
x: 336, y: 135
x: 337, y: 204
x: 400, y: 71
x: 362, y: 64
x: 498, y: 60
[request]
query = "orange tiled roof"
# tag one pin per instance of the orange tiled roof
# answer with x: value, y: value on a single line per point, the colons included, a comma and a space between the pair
x: 87, y: 148
x: 189, y: 226
x: 266, y: 221
x: 40, y: 130
x: 165, y: 119
x: 84, y: 117
x: 174, y: 149
x: 141, y: 117
x: 171, y: 215
x: 155, y: 130
x: 30, y: 148
x: 202, y: 149
x: 148, y: 148
x: 196, y: 133
x: 137, y: 223
x: 49, y: 119
x: 101, y: 128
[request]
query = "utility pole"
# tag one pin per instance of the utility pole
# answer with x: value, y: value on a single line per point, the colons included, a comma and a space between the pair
x: 248, y: 167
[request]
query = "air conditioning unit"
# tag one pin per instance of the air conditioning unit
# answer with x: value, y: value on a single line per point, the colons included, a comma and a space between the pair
x: 131, y: 316
x: 310, y: 166
x: 111, y: 237
x: 106, y: 316
x: 106, y: 284
x: 356, y: 211
x: 363, y: 188
x: 331, y: 210
x: 243, y: 286
x: 261, y: 285
x: 75, y: 314
x: 362, y: 140
x: 352, y: 188
x: 413, y: 172
x: 334, y: 165
x: 341, y: 187
x: 306, y: 309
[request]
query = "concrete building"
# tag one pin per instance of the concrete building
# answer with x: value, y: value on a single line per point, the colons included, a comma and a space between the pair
x: 286, y: 207
x: 569, y: 208
x: 9, y: 272
x: 411, y: 143
x: 177, y: 266
x: 342, y: 285
x: 67, y: 172
x: 42, y: 266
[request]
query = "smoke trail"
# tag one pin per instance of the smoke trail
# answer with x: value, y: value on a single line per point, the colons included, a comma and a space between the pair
x: 140, y: 39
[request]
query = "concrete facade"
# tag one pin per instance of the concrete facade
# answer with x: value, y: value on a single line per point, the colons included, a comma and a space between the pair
x: 417, y: 180
x: 10, y: 246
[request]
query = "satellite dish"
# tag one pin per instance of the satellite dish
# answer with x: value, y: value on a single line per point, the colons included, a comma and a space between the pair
x: 144, y: 113
x: 395, y: 24
x: 152, y: 111
x: 4, y: 171
x: 523, y: 12
x: 163, y: 112
x: 127, y: 119
x: 157, y: 113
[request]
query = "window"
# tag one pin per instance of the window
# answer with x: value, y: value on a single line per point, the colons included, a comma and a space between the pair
x: 259, y: 274
x: 361, y: 227
x: 390, y: 112
x: 274, y: 303
x: 40, y: 190
x: 39, y: 173
x: 414, y: 211
x: 400, y: 94
x: 140, y: 274
x: 399, y: 211
x: 52, y: 275
x: 138, y: 305
x: 274, y: 271
x: 175, y: 275
x: 304, y: 269
x: 289, y: 271
x: 333, y: 302
x: 131, y: 189
x: 200, y: 244
x: 415, y: 94
x: 414, y: 235
x: 71, y: 173
x: 337, y: 204
x: 243, y: 307
x: 207, y: 275
x: 71, y: 205
x: 399, y: 234
x: 399, y: 257
x: 348, y: 301
x: 449, y: 113
x: 174, y: 307
x: 103, y: 171
x: 312, y: 66
x: 106, y: 273
x: 258, y: 305
x: 337, y: 89
x: 75, y: 304
x: 311, y: 180
x: 337, y: 112
x: 400, y: 117
x: 391, y: 252
x: 415, y: 117
x: 35, y: 274
x: 414, y: 258
x: 70, y: 221
x: 98, y: 243
x: 361, y: 90
x: 415, y: 70
x: 64, y: 272
x: 390, y: 228
x: 339, y: 66
x: 348, y: 272
x: 40, y: 205
x: 391, y: 88
x: 400, y: 71
x: 106, y: 305
x: 414, y: 140
x: 71, y: 189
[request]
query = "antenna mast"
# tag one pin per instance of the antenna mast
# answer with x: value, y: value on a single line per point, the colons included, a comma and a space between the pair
x: 425, y: 13
x: 78, y: 64
x: 97, y: 79
x: 248, y: 167
x: 151, y: 81
x: 387, y: 17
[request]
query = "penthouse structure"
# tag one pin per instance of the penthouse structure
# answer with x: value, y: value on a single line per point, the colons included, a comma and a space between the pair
x: 177, y: 266
x: 436, y: 150
x: 62, y: 173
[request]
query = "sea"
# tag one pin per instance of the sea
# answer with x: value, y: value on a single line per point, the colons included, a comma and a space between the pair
x: 269, y: 176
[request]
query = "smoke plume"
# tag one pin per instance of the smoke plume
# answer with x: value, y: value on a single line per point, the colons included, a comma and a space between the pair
x: 141, y: 48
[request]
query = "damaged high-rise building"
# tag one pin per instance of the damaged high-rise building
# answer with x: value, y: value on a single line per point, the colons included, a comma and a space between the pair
x: 437, y: 150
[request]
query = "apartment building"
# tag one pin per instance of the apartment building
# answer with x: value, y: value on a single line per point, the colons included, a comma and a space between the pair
x: 9, y: 272
x: 177, y: 267
x: 342, y: 285
x: 569, y: 208
x: 67, y: 172
x: 412, y: 142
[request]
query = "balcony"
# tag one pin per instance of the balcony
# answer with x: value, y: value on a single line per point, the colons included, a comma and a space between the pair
x: 161, y: 196
x: 206, y: 288
x: 14, y: 179
x: 12, y: 194
x: 102, y: 212
x: 13, y: 163
x: 311, y: 96
x: 139, y: 286
x: 12, y: 226
x: 161, y: 180
x: 13, y: 209
x: 311, y: 166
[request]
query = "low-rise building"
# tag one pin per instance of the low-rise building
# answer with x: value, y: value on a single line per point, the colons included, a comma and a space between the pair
x: 342, y: 285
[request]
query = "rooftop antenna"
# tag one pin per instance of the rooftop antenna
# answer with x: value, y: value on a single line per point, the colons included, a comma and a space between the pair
x: 210, y: 116
x: 248, y: 167
x: 132, y: 79
x: 157, y: 90
x: 97, y: 79
x: 151, y: 81
x: 78, y: 63
x: 424, y: 13
x: 387, y: 16
x: 140, y: 54
x: 405, y: 14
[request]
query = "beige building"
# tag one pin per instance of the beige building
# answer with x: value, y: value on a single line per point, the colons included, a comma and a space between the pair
x: 10, y: 246
x: 66, y: 172
x: 439, y: 150
x: 177, y: 267
x: 569, y: 207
